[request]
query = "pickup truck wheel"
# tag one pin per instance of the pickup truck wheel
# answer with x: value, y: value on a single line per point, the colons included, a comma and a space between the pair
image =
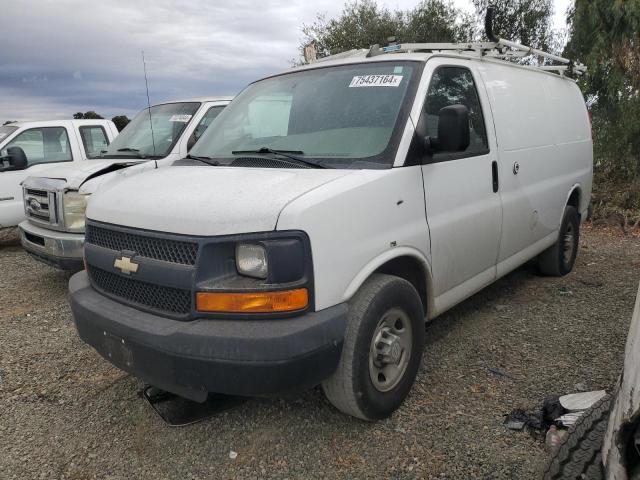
x: 559, y: 258
x: 382, y: 349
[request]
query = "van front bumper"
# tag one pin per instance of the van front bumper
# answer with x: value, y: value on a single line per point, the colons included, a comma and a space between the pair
x: 192, y: 358
x: 58, y: 249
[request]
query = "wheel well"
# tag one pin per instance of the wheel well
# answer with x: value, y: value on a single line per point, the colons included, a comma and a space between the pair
x: 413, y: 271
x: 574, y: 199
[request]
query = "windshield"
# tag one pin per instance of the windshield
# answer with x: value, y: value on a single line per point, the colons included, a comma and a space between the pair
x: 5, y: 131
x: 340, y: 117
x: 138, y: 139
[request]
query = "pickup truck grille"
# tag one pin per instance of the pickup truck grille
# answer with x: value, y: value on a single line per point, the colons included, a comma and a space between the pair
x: 173, y: 251
x: 41, y: 205
x: 156, y: 297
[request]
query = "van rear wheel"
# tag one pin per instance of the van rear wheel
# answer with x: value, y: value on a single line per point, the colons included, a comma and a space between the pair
x: 559, y: 258
x: 382, y: 349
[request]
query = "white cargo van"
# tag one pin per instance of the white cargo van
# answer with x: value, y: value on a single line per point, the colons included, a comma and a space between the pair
x: 336, y: 208
x: 163, y: 133
x: 29, y: 148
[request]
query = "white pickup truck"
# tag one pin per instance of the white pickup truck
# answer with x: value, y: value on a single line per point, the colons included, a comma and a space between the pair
x: 44, y: 144
x: 56, y: 235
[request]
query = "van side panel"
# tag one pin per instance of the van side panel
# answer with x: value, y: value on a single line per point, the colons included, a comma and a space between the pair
x: 545, y: 150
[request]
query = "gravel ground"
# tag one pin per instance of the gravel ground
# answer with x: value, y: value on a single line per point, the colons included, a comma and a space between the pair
x: 66, y: 413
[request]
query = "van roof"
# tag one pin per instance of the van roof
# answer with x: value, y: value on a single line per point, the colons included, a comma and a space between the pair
x: 480, y: 51
x: 50, y: 123
x: 219, y: 98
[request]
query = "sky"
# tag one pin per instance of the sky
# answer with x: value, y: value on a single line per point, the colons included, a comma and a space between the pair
x: 59, y: 57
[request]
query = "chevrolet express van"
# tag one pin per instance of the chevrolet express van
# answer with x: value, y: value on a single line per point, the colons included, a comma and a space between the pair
x: 334, y: 210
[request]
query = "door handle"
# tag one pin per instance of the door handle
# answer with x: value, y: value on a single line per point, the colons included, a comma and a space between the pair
x: 494, y: 174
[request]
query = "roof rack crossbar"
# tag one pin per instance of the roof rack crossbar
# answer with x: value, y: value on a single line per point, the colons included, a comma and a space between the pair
x: 497, y: 48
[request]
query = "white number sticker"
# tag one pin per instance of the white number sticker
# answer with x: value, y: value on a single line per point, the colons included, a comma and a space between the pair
x: 375, y: 81
x: 180, y: 118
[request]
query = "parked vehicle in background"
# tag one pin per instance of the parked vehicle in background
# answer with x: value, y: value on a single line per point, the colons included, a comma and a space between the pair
x: 605, y: 441
x: 336, y: 208
x: 156, y: 137
x: 29, y: 148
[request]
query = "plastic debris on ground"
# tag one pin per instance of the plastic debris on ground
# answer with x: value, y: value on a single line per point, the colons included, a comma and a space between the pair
x: 575, y: 402
x: 556, y: 414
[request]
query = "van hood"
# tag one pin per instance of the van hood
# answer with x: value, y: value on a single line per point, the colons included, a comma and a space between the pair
x: 203, y: 200
x: 75, y: 174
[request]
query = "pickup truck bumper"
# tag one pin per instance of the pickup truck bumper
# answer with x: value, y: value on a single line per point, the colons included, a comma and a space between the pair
x: 58, y: 249
x: 192, y: 358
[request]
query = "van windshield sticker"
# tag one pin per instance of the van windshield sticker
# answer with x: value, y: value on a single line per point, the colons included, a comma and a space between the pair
x: 180, y: 118
x: 397, y: 69
x: 375, y: 81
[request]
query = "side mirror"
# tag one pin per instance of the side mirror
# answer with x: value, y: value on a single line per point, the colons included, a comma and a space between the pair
x: 453, y: 129
x: 16, y: 157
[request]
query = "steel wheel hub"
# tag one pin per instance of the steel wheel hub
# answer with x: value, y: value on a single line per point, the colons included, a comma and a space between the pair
x: 390, y: 350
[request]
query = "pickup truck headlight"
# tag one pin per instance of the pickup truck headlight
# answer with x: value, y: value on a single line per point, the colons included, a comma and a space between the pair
x: 252, y: 260
x: 74, y: 206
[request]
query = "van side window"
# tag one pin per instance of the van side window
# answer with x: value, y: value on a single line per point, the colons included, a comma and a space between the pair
x: 455, y: 86
x: 94, y: 139
x: 43, y: 145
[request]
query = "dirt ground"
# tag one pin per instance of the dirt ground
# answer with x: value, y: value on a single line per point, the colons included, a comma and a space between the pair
x: 67, y: 413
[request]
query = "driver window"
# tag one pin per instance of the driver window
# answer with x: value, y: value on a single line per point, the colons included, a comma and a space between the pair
x: 43, y: 145
x: 455, y: 86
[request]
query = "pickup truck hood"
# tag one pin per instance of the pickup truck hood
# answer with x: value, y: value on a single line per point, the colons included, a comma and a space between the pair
x: 202, y: 200
x: 78, y: 173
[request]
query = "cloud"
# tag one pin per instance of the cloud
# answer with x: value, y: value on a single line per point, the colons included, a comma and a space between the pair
x: 63, y: 56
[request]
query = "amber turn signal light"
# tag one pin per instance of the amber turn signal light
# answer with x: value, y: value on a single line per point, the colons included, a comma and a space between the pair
x: 252, y: 302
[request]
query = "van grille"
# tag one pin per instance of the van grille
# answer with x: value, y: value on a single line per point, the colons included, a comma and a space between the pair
x: 156, y: 297
x: 173, y: 251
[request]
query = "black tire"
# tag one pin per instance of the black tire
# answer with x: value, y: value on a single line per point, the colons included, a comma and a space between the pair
x: 351, y: 389
x: 579, y: 453
x: 553, y: 261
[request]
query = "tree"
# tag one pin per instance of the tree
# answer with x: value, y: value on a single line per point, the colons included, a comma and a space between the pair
x: 90, y: 115
x: 528, y: 22
x: 121, y: 121
x: 605, y: 36
x: 363, y: 23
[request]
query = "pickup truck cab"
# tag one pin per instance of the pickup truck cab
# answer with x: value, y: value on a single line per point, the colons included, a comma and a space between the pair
x: 45, y: 144
x: 335, y: 208
x: 155, y: 138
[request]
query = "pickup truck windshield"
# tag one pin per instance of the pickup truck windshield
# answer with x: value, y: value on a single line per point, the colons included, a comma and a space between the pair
x: 5, y: 131
x: 136, y: 140
x: 347, y: 116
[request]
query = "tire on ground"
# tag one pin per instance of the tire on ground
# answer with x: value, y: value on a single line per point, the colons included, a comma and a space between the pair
x: 350, y: 388
x: 552, y: 261
x: 579, y: 453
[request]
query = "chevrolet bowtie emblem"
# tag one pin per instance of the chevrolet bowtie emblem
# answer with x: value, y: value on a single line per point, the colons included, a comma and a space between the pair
x: 125, y: 265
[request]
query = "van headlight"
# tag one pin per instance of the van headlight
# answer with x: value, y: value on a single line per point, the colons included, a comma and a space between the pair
x: 74, y: 205
x: 251, y: 260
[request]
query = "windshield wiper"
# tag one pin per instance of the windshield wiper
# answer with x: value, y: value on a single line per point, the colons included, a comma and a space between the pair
x: 128, y: 149
x: 284, y: 153
x: 207, y: 160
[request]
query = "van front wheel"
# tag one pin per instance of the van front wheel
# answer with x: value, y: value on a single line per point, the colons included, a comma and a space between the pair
x: 382, y: 349
x: 559, y: 258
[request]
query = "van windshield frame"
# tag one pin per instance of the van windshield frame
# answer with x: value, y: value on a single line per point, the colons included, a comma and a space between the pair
x: 300, y: 117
